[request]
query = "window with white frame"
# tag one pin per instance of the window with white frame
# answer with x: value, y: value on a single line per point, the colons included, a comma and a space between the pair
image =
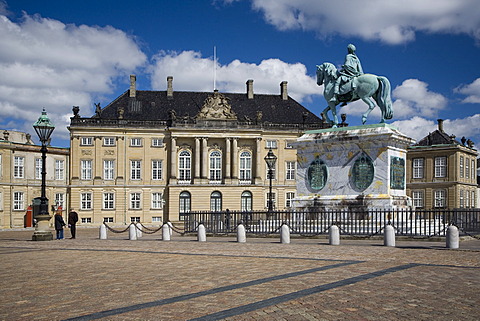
x: 108, y: 201
x: 273, y: 172
x: 289, y: 196
x: 290, y: 170
x: 38, y: 168
x: 245, y: 166
x: 274, y: 201
x: 461, y: 166
x: 108, y: 219
x: 472, y: 168
x: 109, y: 141
x: 418, y: 199
x: 215, y: 166
x: 439, y: 196
x: 441, y: 166
x: 86, y: 141
x: 86, y: 201
x: 271, y: 144
x: 462, y: 201
x: 157, y: 142
x: 136, y: 142
x: 59, y: 169
x: 135, y: 169
x: 185, y: 202
x: 246, y: 201
x: 473, y: 200
x: 216, y: 201
x: 86, y: 169
x: 18, y: 167
x: 467, y: 199
x: 157, y: 201
x: 156, y: 219
x: 467, y: 168
x: 18, y: 201
x: 184, y: 165
x: 135, y: 201
x: 135, y: 219
x: 108, y: 169
x: 157, y: 169
x: 86, y: 220
x: 60, y: 200
x: 418, y: 167
x: 289, y: 144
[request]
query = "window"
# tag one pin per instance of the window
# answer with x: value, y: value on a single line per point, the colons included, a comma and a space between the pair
x: 472, y: 168
x: 135, y: 169
x: 156, y: 219
x: 185, y: 203
x: 273, y: 171
x: 289, y: 144
x: 109, y: 141
x: 60, y: 200
x: 157, y: 142
x: 215, y: 166
x: 467, y: 168
x: 271, y: 144
x: 157, y: 201
x: 216, y: 202
x: 38, y: 168
x: 461, y: 166
x: 136, y: 142
x: 108, y: 201
x: 59, y: 169
x: 246, y: 202
x: 473, y: 199
x: 441, y: 166
x: 18, y: 201
x: 135, y: 201
x: 18, y: 167
x: 462, y: 201
x: 245, y: 166
x: 86, y: 168
x: 86, y: 201
x: 273, y: 199
x: 467, y: 199
x: 108, y: 169
x: 156, y: 169
x: 439, y: 198
x: 86, y: 141
x: 135, y: 219
x: 184, y: 171
x: 108, y: 219
x: 418, y: 164
x: 290, y: 167
x: 86, y: 220
x: 289, y: 196
x: 418, y: 198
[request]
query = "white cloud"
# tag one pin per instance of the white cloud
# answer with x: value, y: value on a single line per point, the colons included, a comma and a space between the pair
x: 392, y: 22
x: 472, y: 91
x: 46, y: 63
x: 192, y: 72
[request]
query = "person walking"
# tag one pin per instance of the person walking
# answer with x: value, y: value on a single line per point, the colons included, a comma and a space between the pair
x: 72, y: 221
x: 59, y: 224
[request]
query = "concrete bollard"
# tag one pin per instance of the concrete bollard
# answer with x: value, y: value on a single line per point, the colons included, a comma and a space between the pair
x: 103, y: 232
x: 201, y: 235
x: 285, y: 234
x: 334, y: 235
x: 132, y: 232
x: 166, y: 232
x: 453, y: 238
x: 389, y: 236
x: 241, y: 234
x: 139, y: 230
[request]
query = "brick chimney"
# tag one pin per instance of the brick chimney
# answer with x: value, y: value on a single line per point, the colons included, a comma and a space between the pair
x: 133, y: 86
x: 440, y: 125
x: 250, y: 89
x: 170, y: 87
x: 283, y: 90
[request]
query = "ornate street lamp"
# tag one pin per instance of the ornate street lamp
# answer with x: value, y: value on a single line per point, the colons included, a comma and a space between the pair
x: 270, y: 159
x: 44, y: 129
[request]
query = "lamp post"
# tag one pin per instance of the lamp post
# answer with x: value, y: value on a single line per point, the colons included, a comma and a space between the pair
x: 270, y: 159
x: 44, y: 129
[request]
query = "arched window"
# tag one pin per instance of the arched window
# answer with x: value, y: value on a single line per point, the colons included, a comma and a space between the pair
x: 215, y: 166
x: 216, y: 202
x: 245, y: 166
x: 246, y: 201
x: 184, y: 165
x: 185, y: 203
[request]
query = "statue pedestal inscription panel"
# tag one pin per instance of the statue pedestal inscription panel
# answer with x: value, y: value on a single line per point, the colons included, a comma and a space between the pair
x: 352, y: 167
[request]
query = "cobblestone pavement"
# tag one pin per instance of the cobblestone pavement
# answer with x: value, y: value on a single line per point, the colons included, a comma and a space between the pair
x: 150, y: 279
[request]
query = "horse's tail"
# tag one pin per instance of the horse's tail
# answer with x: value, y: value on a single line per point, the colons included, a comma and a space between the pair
x: 383, y: 98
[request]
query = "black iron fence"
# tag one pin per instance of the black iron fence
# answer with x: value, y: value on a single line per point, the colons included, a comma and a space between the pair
x: 414, y: 223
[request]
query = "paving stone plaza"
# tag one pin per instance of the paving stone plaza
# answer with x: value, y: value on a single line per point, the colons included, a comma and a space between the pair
x: 182, y: 279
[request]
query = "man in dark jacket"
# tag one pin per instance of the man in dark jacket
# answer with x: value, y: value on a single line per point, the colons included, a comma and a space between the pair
x: 72, y: 220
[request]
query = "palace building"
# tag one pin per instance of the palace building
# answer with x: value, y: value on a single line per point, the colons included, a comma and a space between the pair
x: 151, y: 156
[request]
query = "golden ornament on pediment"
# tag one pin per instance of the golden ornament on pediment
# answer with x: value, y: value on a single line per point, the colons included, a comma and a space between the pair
x: 216, y: 107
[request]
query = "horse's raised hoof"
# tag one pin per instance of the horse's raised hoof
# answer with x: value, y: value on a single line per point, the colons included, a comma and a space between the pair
x: 364, y: 120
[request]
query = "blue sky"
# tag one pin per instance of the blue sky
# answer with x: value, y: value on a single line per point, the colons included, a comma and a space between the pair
x: 57, y: 54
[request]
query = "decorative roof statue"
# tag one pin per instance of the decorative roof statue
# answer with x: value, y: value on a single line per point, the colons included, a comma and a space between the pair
x: 351, y: 84
x: 216, y: 107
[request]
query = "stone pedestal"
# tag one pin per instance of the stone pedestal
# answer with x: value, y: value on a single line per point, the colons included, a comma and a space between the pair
x: 42, y: 230
x: 360, y: 167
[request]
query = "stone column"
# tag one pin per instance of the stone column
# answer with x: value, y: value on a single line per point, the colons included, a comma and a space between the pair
x: 204, y: 158
x: 235, y: 158
x: 173, y: 158
x: 259, y: 162
x: 197, y: 158
x: 228, y: 166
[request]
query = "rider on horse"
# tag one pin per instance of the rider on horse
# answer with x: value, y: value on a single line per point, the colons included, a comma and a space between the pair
x: 350, y: 69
